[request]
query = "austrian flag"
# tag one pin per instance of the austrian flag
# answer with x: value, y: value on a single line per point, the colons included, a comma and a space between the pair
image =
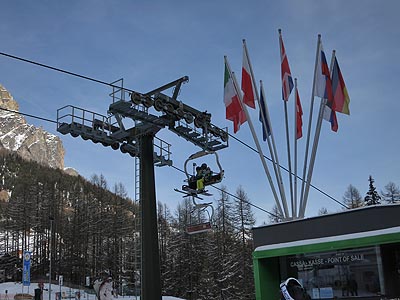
x: 234, y: 110
x: 249, y: 93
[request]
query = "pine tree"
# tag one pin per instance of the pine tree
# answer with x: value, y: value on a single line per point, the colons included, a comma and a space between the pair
x: 372, y: 197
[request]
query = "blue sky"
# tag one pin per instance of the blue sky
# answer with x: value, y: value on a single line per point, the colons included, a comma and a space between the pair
x: 150, y: 43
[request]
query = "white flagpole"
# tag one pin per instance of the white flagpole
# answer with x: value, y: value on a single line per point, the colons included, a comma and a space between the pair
x: 309, y: 127
x: 295, y: 148
x: 260, y: 153
x: 274, y: 156
x: 288, y: 146
x: 289, y: 157
x: 312, y: 158
x: 315, y: 146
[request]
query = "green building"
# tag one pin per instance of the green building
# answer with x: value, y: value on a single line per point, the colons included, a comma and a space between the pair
x: 352, y: 254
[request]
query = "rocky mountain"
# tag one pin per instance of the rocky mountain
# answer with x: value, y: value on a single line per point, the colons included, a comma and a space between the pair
x: 30, y: 142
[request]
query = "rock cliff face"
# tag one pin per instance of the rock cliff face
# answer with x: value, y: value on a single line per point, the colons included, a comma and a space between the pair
x: 31, y: 142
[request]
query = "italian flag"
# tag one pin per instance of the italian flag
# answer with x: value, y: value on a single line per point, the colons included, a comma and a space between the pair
x: 234, y: 110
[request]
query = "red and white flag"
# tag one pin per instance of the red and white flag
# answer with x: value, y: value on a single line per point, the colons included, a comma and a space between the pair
x: 249, y: 93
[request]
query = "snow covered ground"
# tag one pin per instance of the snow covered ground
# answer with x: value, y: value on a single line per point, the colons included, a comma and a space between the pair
x: 13, y: 288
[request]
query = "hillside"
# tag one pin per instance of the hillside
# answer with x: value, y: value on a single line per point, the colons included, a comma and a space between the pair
x: 93, y: 229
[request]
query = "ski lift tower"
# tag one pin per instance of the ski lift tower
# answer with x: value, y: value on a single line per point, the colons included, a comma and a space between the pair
x: 139, y: 141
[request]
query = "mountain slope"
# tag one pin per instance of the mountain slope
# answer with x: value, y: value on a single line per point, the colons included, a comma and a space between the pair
x: 30, y: 142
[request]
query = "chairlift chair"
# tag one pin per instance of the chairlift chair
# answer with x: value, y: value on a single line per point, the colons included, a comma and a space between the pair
x: 194, y: 228
x: 215, y: 177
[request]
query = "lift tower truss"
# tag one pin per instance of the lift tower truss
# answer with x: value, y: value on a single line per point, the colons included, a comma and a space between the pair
x: 139, y: 140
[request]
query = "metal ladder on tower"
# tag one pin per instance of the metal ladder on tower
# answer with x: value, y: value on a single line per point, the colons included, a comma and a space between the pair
x: 138, y: 231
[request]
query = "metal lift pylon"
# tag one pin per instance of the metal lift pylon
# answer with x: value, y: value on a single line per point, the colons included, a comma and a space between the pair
x: 139, y: 141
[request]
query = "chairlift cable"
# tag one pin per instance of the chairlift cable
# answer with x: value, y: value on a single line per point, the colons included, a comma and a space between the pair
x: 28, y: 115
x: 234, y: 196
x: 285, y: 169
x: 61, y: 70
x: 111, y: 85
x: 52, y: 121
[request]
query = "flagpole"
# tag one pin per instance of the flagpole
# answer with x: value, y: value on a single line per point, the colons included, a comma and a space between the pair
x: 289, y: 156
x: 260, y: 153
x: 288, y: 144
x: 274, y: 156
x: 312, y: 158
x: 295, y: 149
x: 309, y: 128
x: 315, y: 145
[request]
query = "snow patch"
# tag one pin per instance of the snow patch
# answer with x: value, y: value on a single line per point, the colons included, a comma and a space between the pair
x: 16, y: 288
x: 19, y: 139
x: 7, y: 115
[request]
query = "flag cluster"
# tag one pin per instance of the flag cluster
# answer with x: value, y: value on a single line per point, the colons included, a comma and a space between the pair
x: 328, y: 85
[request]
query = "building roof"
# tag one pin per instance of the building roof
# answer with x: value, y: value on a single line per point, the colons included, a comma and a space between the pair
x: 377, y: 218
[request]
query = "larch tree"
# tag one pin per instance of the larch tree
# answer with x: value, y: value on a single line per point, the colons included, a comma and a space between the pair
x: 246, y: 221
x: 352, y: 197
x: 224, y: 259
x: 323, y: 211
x: 275, y: 216
x: 391, y: 193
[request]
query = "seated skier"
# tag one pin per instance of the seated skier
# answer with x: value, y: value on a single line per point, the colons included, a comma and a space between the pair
x: 201, y: 176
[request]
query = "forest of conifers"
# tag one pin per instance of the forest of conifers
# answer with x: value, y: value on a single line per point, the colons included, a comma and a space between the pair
x: 95, y: 229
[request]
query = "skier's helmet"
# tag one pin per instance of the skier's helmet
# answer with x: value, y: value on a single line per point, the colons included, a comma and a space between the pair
x: 292, y: 289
